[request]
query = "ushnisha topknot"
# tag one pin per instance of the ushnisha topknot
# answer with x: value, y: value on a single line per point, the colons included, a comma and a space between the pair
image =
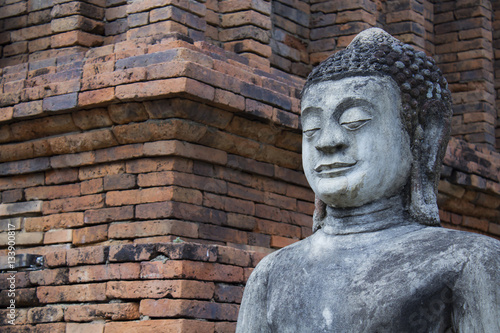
x: 375, y: 52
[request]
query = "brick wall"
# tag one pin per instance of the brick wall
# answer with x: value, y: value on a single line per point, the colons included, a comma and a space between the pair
x: 129, y: 126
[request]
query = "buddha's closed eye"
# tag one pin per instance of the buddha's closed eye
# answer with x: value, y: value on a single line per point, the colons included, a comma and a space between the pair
x: 354, y: 118
x: 310, y: 132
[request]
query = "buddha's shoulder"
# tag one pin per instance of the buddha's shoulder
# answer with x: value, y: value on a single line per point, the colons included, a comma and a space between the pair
x: 282, y: 255
x: 468, y: 244
x: 461, y: 238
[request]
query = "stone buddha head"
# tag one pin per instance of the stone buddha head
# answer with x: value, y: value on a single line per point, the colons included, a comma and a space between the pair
x: 376, y: 121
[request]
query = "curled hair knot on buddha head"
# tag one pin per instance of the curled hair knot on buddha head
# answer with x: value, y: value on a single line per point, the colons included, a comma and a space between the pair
x: 425, y: 110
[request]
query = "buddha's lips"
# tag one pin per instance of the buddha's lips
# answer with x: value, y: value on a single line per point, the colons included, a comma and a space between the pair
x: 333, y: 167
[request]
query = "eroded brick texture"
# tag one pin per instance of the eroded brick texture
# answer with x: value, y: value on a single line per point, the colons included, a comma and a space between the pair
x: 128, y: 126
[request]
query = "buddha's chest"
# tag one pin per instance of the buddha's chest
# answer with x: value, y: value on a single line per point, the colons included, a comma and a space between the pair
x: 361, y: 292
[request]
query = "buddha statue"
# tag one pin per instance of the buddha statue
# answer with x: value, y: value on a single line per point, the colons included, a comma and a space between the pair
x: 376, y: 122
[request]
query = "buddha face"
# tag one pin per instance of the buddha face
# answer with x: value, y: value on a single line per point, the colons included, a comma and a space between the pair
x: 355, y: 149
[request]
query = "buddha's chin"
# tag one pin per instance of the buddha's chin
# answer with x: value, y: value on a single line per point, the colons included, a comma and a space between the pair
x: 340, y: 192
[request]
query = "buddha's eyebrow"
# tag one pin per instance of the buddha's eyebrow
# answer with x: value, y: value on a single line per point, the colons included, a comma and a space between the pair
x: 350, y: 102
x: 311, y: 110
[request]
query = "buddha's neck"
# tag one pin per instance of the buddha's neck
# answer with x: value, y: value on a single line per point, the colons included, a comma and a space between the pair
x: 378, y: 215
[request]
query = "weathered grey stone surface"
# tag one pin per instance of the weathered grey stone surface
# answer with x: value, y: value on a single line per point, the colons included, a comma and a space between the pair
x: 376, y: 122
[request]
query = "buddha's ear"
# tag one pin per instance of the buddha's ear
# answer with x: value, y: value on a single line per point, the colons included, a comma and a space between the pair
x: 430, y: 139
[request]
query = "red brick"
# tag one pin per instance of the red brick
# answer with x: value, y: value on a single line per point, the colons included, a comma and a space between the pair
x: 268, y: 212
x: 296, y: 218
x: 46, y: 314
x: 187, y: 109
x: 154, y: 326
x: 87, y: 327
x: 176, y: 14
x: 228, y: 204
x: 18, y: 208
x: 225, y: 327
x: 248, y: 31
x: 73, y: 204
x: 182, y: 179
x: 170, y: 269
x: 87, y: 255
x: 57, y: 221
x: 159, y: 289
x: 127, y: 112
x: 96, y: 97
x: 157, y: 30
x: 20, y: 317
x: 60, y: 176
x: 258, y: 109
x: 58, y: 236
x: 305, y: 232
x: 13, y: 10
x: 23, y: 298
x: 122, y: 271
x: 119, y: 182
x: 52, y: 192
x: 279, y: 242
x: 475, y: 223
x: 27, y: 109
x: 105, y: 77
x: 494, y: 228
x: 165, y: 88
x: 188, y: 308
x: 119, y: 153
x: 55, y: 256
x: 444, y: 216
x: 155, y: 130
x: 190, y: 251
x: 90, y: 119
x: 92, y: 186
x: 300, y: 193
x: 72, y: 38
x: 6, y: 113
x: 239, y: 221
x: 132, y: 252
x: 96, y: 171
x: 154, y: 194
x: 74, y: 143
x: 109, y: 214
x: 179, y: 210
x: 246, y: 193
x: 88, y: 235
x: 15, y: 48
x: 74, y: 293
x: 226, y: 99
x: 275, y: 228
x: 228, y: 293
x: 22, y: 280
x: 48, y: 277
x: 145, y: 165
x: 97, y: 71
x: 233, y: 256
x: 152, y: 228
x: 222, y: 234
x: 92, y: 9
x: 12, y: 196
x: 77, y: 22
x: 11, y: 224
x: 91, y: 312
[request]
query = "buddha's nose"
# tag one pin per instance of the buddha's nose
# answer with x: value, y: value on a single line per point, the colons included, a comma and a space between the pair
x: 331, y: 140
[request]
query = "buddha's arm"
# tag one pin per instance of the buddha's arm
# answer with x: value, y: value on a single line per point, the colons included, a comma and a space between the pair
x: 478, y: 303
x: 253, y: 310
